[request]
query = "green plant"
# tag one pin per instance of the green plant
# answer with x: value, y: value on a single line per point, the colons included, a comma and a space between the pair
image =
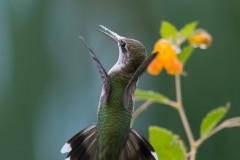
x: 172, y: 56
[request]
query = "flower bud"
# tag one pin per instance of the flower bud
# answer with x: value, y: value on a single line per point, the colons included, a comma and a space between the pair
x: 200, y: 38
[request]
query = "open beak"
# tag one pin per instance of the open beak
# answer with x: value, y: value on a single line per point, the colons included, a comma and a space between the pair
x: 110, y: 33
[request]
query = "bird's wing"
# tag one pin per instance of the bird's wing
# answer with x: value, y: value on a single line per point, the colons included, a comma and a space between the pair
x: 83, y: 145
x: 129, y: 91
x: 137, y: 147
x: 104, y: 75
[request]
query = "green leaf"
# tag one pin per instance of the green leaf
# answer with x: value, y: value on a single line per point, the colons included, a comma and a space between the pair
x: 185, y: 54
x: 212, y: 119
x: 167, y: 30
x: 188, y: 29
x: 150, y: 95
x: 167, y: 145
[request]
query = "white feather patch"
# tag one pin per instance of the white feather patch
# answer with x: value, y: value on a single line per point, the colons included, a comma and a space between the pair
x: 66, y: 148
x: 155, y: 155
x: 117, y: 67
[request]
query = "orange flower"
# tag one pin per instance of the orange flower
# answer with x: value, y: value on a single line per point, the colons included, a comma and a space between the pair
x: 166, y: 58
x: 200, y: 38
x: 155, y: 67
x: 175, y: 67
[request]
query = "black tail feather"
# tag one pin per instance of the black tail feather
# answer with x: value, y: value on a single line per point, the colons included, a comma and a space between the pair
x: 137, y: 148
x: 83, y: 146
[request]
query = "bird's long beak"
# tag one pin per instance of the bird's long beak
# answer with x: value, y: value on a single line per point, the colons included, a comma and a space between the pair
x: 110, y: 33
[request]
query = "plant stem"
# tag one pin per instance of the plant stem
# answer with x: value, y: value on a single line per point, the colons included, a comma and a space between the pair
x: 193, y: 153
x: 139, y: 110
x: 183, y: 117
x: 214, y: 131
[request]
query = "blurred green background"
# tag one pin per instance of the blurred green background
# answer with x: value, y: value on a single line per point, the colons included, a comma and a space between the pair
x: 49, y: 87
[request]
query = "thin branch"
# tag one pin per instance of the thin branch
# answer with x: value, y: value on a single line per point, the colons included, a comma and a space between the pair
x: 184, y: 119
x: 172, y: 104
x: 231, y: 122
x: 182, y: 112
x: 139, y: 110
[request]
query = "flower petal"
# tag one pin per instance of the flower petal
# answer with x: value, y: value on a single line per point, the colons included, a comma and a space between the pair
x: 174, y: 67
x: 155, y: 67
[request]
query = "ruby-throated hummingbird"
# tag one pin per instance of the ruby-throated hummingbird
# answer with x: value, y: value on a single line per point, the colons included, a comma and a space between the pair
x: 112, y: 138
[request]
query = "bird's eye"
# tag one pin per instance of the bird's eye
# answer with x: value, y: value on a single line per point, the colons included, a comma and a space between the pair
x: 122, y: 44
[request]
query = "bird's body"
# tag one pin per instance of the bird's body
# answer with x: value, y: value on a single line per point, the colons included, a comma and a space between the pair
x: 114, y: 120
x: 111, y: 138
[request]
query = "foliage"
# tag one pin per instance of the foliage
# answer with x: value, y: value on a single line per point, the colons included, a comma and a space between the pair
x: 174, y: 49
x: 169, y: 146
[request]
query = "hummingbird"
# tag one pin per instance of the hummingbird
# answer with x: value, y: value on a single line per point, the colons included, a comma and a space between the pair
x: 112, y: 138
